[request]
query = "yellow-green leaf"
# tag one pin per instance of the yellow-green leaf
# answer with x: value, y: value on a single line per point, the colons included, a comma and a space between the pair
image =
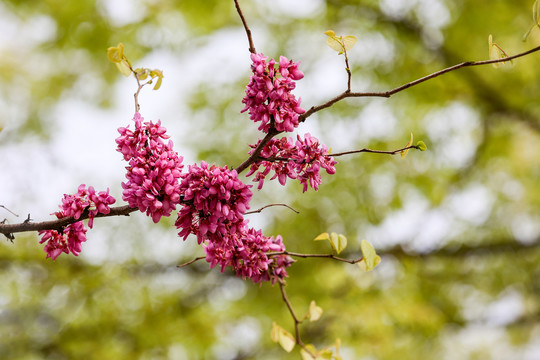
x: 421, y: 145
x: 323, y: 236
x: 536, y: 12
x: 159, y: 74
x: 338, y: 242
x: 142, y: 74
x: 315, y: 311
x: 370, y: 258
x: 123, y: 67
x: 340, y: 43
x: 283, y: 337
x: 115, y: 54
x: 306, y: 355
x: 404, y: 152
x: 349, y: 41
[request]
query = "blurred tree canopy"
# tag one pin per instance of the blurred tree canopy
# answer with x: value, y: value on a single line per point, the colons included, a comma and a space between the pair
x: 458, y: 226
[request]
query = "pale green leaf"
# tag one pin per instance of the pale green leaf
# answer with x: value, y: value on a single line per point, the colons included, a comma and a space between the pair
x: 142, y: 74
x: 421, y: 145
x: 536, y: 12
x: 123, y: 67
x: 323, y: 236
x: 116, y: 53
x: 307, y: 356
x: 283, y: 337
x: 335, y: 43
x: 349, y: 41
x: 338, y: 242
x: 370, y: 258
x: 315, y: 311
x: 340, y: 43
x: 404, y: 152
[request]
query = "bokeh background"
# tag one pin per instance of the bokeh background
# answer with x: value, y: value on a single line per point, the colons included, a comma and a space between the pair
x: 458, y: 226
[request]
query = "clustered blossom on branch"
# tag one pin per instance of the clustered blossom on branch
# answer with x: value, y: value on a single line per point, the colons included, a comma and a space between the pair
x: 70, y: 239
x: 154, y: 168
x: 246, y: 251
x: 268, y: 94
x: 214, y: 204
x: 300, y: 160
x: 213, y: 209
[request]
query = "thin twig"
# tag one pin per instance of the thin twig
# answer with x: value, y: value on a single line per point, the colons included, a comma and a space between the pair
x: 2, y: 206
x: 387, y: 94
x: 298, y: 339
x: 191, y: 261
x: 267, y: 206
x: 246, y: 27
x: 392, y: 152
x: 327, y: 256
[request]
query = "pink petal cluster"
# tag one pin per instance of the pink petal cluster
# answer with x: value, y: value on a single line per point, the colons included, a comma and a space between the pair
x: 268, y: 94
x: 214, y: 202
x: 299, y: 160
x: 246, y: 252
x: 87, y: 199
x: 70, y: 238
x: 154, y: 168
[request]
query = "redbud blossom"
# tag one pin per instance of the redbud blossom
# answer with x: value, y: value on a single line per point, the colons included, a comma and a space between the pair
x: 70, y: 239
x: 299, y: 160
x: 268, y: 93
x: 154, y: 168
x: 214, y: 203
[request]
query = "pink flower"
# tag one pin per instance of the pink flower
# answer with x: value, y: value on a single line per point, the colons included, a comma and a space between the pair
x: 299, y: 160
x: 154, y: 169
x: 86, y: 200
x: 246, y: 252
x: 214, y: 202
x: 70, y: 239
x: 268, y: 94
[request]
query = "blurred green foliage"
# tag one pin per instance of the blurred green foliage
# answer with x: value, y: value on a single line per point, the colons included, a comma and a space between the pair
x: 435, y: 293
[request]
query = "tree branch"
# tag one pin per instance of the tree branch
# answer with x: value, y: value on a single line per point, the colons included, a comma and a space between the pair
x: 387, y: 94
x: 9, y: 229
x: 246, y: 27
x: 253, y: 157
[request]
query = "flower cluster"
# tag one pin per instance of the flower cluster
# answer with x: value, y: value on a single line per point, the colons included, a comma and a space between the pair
x: 71, y: 237
x: 86, y: 199
x: 154, y: 168
x: 268, y: 94
x: 215, y: 201
x: 300, y: 160
x: 246, y: 252
x: 213, y: 209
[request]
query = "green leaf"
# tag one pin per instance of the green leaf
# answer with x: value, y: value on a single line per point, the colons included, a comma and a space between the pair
x: 285, y: 339
x: 116, y: 53
x: 159, y: 74
x: 421, y: 146
x: 323, y: 236
x: 307, y: 356
x: 536, y: 18
x: 404, y: 152
x: 338, y: 242
x: 142, y: 74
x: 314, y: 312
x: 340, y: 43
x: 370, y: 258
x: 536, y: 12
x: 123, y: 67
